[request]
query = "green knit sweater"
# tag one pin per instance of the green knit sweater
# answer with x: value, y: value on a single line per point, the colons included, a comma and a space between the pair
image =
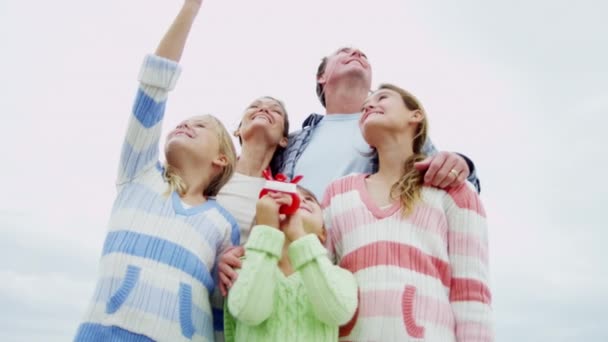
x: 309, y: 305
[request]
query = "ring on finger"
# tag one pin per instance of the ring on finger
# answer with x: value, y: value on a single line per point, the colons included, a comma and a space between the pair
x: 455, y: 173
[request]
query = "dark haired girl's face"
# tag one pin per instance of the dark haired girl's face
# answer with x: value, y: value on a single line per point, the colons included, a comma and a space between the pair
x: 263, y: 118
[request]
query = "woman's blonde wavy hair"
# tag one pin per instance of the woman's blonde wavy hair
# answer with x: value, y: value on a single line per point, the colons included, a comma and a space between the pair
x: 408, y: 187
x: 177, y: 184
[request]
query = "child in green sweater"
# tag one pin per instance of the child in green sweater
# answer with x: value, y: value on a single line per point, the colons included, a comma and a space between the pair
x: 288, y: 289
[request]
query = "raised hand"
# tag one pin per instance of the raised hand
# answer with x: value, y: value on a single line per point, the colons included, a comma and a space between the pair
x: 267, y: 208
x: 293, y: 227
x: 193, y: 2
x: 173, y: 43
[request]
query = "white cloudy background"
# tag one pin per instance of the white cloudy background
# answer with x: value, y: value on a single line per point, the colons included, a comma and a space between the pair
x: 519, y: 86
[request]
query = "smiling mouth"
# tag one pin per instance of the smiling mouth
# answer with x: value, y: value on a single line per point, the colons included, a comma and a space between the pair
x: 367, y: 115
x: 356, y: 61
x: 182, y: 133
x: 262, y: 116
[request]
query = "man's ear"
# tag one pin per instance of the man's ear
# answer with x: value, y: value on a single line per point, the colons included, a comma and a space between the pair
x: 322, y: 79
x: 220, y: 161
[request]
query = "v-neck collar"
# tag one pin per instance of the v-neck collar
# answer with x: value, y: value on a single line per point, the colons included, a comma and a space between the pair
x: 369, y: 202
x: 197, y: 209
x: 289, y: 279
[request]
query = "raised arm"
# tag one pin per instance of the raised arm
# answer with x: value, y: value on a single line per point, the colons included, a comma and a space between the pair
x: 333, y: 289
x: 157, y: 77
x: 173, y: 43
x: 468, y: 253
x: 251, y: 299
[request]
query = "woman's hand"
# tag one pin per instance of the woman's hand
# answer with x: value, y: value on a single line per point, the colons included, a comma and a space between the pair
x: 226, y: 266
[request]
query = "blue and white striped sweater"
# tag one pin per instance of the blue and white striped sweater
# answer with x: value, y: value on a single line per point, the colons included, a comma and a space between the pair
x: 157, y: 260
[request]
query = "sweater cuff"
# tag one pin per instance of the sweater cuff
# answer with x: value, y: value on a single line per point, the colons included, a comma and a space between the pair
x: 304, y: 250
x: 266, y: 239
x: 159, y: 72
x: 472, y: 172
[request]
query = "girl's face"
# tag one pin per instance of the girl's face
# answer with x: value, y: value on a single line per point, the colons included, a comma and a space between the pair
x: 311, y: 213
x: 264, y: 116
x: 384, y: 111
x: 196, y: 137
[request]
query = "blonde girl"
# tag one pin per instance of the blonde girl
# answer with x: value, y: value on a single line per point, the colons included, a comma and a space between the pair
x: 166, y: 230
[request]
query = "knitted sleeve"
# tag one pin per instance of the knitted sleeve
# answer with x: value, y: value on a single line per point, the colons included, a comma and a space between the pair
x: 429, y: 148
x: 229, y: 325
x: 232, y: 233
x: 470, y: 296
x: 230, y: 239
x: 333, y: 290
x: 332, y: 239
x: 140, y: 148
x: 251, y: 298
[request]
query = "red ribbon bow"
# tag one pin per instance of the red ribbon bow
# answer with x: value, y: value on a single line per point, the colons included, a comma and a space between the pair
x: 280, y: 177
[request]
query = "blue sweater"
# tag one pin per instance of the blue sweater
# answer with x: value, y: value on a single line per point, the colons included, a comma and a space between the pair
x: 157, y: 259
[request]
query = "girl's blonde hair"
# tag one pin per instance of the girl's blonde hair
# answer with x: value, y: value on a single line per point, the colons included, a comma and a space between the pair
x: 177, y: 184
x: 408, y: 187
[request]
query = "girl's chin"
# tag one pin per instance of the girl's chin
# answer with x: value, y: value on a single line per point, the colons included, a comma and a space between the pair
x: 181, y: 146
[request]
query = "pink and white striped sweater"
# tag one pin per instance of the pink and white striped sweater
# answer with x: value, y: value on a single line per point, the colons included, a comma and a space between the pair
x: 421, y: 278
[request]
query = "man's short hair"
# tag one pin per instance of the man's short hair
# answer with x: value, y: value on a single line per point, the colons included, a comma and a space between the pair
x: 320, y: 87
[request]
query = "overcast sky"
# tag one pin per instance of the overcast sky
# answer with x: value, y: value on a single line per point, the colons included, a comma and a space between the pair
x: 519, y: 86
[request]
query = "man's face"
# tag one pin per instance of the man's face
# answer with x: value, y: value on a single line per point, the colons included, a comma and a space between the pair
x: 347, y: 62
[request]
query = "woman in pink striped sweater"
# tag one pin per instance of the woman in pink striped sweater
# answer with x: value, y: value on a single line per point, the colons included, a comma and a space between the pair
x: 419, y: 253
